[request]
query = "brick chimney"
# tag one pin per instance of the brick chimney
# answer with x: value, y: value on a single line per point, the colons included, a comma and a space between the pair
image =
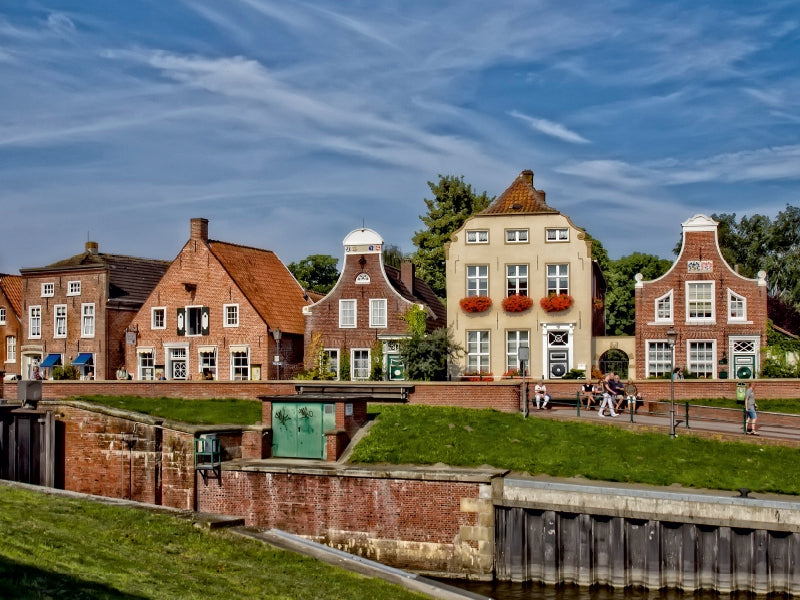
x: 527, y: 175
x: 199, y: 230
x: 407, y: 270
x: 91, y: 247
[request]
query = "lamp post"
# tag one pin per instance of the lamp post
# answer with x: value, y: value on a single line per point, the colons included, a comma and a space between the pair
x: 276, y: 333
x: 523, y: 353
x: 672, y: 336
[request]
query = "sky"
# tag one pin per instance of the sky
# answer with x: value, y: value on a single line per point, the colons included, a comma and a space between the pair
x: 289, y: 124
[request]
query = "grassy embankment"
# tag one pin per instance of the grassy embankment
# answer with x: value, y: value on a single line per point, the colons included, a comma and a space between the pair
x: 54, y: 547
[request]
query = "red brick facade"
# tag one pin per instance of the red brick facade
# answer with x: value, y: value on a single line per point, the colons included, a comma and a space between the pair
x: 10, y: 323
x: 717, y: 314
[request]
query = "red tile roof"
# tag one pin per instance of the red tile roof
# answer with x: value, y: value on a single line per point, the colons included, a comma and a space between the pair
x: 266, y: 282
x: 422, y: 294
x: 12, y: 288
x: 521, y: 198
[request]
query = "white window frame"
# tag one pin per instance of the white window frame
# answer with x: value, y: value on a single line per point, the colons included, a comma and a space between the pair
x: 87, y: 320
x: 60, y: 321
x: 514, y: 339
x: 377, y: 313
x: 477, y: 280
x: 709, y: 360
x: 663, y: 361
x: 153, y: 312
x: 333, y: 361
x: 11, y: 348
x: 142, y: 366
x: 360, y: 365
x: 2, y: 315
x: 240, y: 372
x: 735, y: 300
x: 554, y: 280
x: 48, y: 289
x: 477, y: 236
x: 203, y: 363
x: 348, y: 311
x: 176, y: 354
x: 478, y: 353
x: 517, y: 236
x: 73, y: 288
x: 188, y: 320
x: 692, y: 299
x: 34, y: 322
x: 517, y: 280
x: 230, y: 315
x: 556, y: 234
x: 665, y: 302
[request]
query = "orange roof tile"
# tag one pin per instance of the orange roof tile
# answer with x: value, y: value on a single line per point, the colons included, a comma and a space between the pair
x: 266, y: 282
x: 12, y: 288
x: 519, y: 199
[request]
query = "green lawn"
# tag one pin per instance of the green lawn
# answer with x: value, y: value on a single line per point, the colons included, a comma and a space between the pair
x: 778, y: 405
x: 213, y: 411
x: 464, y: 437
x: 54, y: 547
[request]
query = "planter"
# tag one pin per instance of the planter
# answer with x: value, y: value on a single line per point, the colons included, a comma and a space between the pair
x: 517, y: 303
x: 556, y: 302
x: 475, y: 304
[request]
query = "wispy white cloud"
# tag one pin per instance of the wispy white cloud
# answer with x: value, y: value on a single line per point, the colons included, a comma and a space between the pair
x: 556, y: 130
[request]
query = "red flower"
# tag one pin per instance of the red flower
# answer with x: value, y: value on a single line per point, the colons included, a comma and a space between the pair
x: 556, y: 302
x: 475, y: 304
x: 517, y: 303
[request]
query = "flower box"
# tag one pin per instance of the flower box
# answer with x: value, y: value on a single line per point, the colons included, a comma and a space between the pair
x: 517, y: 303
x: 556, y: 302
x: 477, y: 376
x: 475, y: 304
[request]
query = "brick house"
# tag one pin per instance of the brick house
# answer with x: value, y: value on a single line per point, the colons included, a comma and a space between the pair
x: 10, y: 322
x: 363, y: 313
x: 76, y: 311
x: 519, y: 252
x: 221, y: 311
x: 719, y: 317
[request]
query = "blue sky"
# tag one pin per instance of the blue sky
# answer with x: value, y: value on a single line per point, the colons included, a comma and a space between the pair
x: 289, y: 124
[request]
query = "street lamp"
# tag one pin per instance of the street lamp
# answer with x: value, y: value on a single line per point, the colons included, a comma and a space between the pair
x: 672, y: 336
x: 276, y: 333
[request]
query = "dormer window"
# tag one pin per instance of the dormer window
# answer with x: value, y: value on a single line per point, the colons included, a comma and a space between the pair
x: 478, y: 236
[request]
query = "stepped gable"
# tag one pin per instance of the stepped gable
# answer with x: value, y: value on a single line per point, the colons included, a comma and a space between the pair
x: 266, y: 282
x: 520, y: 198
x: 12, y: 288
x: 422, y: 293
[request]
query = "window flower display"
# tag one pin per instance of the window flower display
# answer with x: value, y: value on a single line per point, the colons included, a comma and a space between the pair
x: 517, y: 303
x: 556, y: 302
x: 475, y: 304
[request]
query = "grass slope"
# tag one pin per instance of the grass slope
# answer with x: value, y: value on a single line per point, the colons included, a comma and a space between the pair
x: 214, y: 411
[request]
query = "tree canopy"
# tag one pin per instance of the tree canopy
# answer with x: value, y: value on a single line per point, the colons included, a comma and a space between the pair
x: 453, y: 203
x: 316, y: 272
x: 620, y: 293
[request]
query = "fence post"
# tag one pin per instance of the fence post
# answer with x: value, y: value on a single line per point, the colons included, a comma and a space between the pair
x: 744, y: 419
x: 578, y: 402
x: 687, y: 414
x: 632, y: 406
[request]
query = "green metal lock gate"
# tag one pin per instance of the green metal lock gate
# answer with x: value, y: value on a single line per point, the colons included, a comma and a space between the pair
x: 298, y: 429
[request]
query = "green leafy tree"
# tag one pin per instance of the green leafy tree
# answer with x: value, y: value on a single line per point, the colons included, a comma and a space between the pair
x: 426, y: 356
x: 393, y: 256
x: 453, y: 203
x: 620, y: 294
x: 316, y: 272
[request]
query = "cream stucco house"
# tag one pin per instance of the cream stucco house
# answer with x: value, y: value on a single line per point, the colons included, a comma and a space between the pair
x: 546, y: 292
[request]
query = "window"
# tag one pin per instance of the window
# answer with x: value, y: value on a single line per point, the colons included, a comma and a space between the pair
x: 2, y: 315
x: 664, y: 308
x: 744, y: 346
x: 158, y: 318
x: 701, y: 358
x: 377, y: 312
x: 737, y: 307
x: 87, y: 320
x: 48, y: 290
x: 231, y: 318
x: 478, y: 236
x: 477, y: 280
x: 60, y: 321
x: 147, y: 364
x: 240, y: 364
x: 347, y: 313
x: 11, y: 349
x: 35, y: 322
x: 74, y: 288
x: 516, y: 236
x: 177, y: 363
x: 208, y: 362
x: 659, y: 359
x: 557, y: 279
x: 331, y: 358
x: 700, y: 301
x: 517, y: 280
x: 477, y: 351
x: 515, y: 339
x: 361, y: 363
x: 556, y: 234
x: 194, y: 320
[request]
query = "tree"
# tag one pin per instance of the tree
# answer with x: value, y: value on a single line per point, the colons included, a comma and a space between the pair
x: 620, y: 294
x: 316, y: 272
x: 393, y: 256
x: 426, y: 356
x: 453, y: 203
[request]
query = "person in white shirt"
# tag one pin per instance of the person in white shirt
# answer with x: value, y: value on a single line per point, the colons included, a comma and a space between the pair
x: 609, y: 395
x: 541, y: 395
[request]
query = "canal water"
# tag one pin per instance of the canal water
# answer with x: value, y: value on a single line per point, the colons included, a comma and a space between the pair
x: 533, y: 591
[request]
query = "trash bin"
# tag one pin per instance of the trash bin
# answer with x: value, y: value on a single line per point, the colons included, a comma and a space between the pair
x: 740, y: 391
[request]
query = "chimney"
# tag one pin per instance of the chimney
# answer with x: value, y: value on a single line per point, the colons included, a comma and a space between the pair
x: 199, y: 230
x: 407, y: 274
x: 527, y: 175
x: 91, y: 247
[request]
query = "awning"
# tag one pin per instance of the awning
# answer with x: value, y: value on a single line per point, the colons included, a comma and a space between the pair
x: 239, y: 348
x: 84, y: 358
x: 51, y: 361
x: 207, y: 349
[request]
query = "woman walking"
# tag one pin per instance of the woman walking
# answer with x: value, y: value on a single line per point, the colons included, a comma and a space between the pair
x: 750, y: 406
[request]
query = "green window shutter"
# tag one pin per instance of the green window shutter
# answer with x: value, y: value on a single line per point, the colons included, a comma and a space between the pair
x: 205, y: 320
x: 181, y: 320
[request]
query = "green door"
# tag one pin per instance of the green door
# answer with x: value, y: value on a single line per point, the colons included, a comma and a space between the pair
x: 397, y: 369
x: 298, y: 429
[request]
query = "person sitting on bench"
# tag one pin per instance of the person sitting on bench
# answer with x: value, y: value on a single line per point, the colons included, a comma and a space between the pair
x: 587, y: 394
x: 541, y: 395
x: 632, y: 395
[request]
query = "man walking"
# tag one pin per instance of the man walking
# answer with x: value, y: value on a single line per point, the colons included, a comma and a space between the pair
x: 609, y: 395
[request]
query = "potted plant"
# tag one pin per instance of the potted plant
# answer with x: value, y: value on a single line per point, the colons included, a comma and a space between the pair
x: 517, y: 303
x: 512, y: 373
x: 556, y: 302
x: 475, y: 304
x: 477, y: 376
